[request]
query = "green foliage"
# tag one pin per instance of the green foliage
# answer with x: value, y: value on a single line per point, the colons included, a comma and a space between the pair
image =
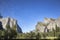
x: 0, y: 33
x: 11, y: 33
x: 8, y: 27
x: 14, y: 27
x: 8, y: 34
x: 38, y: 36
x: 21, y: 36
x: 33, y: 35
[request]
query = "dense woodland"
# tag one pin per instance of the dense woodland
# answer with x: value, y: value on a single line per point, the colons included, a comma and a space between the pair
x: 11, y: 33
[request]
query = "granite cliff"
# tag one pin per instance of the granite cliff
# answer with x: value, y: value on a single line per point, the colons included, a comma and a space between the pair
x: 9, y: 21
x: 48, y: 25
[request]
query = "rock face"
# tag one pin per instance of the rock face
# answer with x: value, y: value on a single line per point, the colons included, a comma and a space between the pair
x: 48, y: 25
x: 8, y: 21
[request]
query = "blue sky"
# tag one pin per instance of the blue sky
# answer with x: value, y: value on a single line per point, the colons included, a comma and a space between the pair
x: 29, y: 12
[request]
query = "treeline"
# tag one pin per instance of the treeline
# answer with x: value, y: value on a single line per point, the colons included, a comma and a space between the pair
x: 11, y: 33
x: 8, y: 33
x: 55, y: 34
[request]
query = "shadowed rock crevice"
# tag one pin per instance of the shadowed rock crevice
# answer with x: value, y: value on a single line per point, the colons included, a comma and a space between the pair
x: 19, y: 30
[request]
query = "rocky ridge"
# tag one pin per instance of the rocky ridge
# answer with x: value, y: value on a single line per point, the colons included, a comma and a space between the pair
x: 48, y: 25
